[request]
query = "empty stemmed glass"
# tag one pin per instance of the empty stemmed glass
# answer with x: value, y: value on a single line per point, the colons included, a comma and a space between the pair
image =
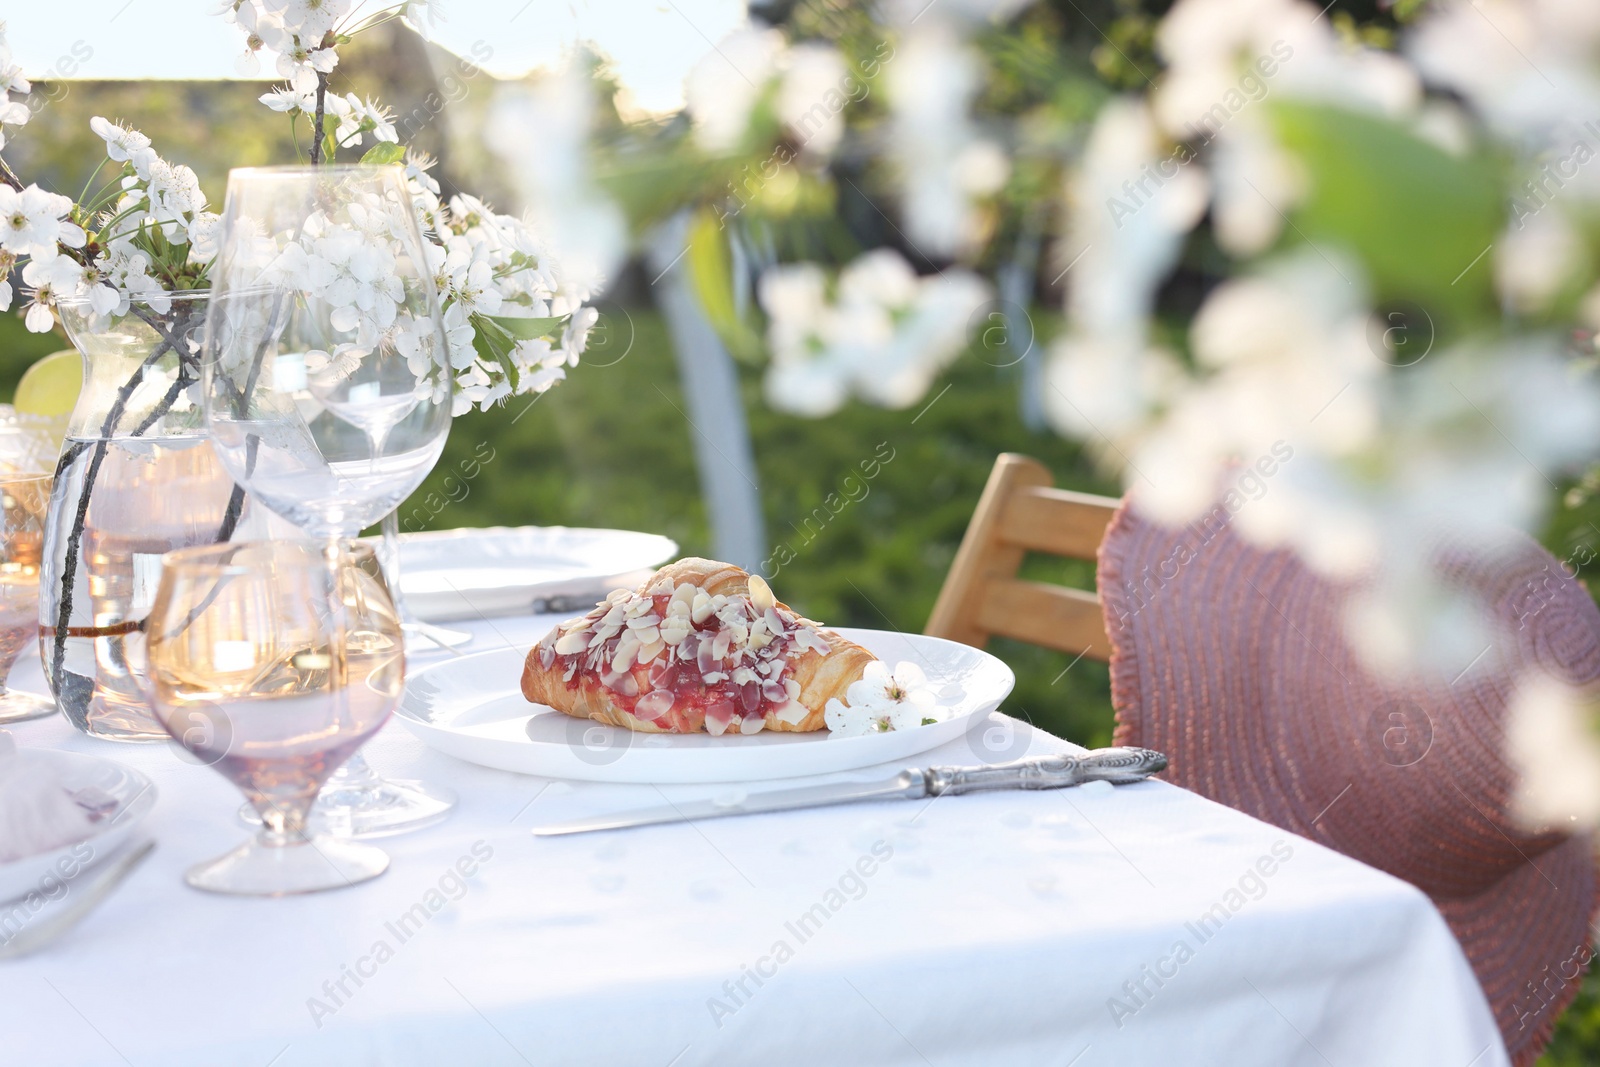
x: 326, y: 383
x: 23, y: 499
x: 273, y: 661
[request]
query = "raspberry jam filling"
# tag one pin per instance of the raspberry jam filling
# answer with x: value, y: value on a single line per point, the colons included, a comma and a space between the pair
x: 684, y: 658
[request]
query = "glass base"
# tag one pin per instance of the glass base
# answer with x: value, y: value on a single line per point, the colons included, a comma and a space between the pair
x: 20, y: 707
x: 378, y: 810
x: 308, y: 865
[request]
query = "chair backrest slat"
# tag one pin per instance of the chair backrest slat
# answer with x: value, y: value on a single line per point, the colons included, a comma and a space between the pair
x: 1056, y: 521
x: 1067, y: 620
x: 1020, y: 511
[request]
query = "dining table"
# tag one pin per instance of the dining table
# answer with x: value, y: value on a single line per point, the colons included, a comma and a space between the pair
x: 1097, y: 925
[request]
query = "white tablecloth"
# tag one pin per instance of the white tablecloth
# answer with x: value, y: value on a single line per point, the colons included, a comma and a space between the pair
x: 1077, y: 927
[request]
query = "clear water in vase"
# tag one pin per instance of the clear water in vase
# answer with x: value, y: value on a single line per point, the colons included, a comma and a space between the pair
x: 150, y: 496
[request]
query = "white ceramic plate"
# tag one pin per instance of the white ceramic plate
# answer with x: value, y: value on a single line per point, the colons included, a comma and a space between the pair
x: 449, y: 575
x: 472, y: 708
x: 128, y: 797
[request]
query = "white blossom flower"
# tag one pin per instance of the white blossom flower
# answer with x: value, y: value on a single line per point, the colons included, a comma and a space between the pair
x: 357, y: 117
x: 472, y: 284
x: 33, y: 221
x: 50, y: 277
x: 575, y: 337
x: 300, y: 57
x: 418, y: 163
x: 122, y: 144
x: 203, y: 237
x: 458, y: 336
x: 11, y: 76
x: 299, y: 95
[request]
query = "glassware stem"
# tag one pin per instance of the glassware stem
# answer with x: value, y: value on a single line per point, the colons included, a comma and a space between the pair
x: 389, y: 557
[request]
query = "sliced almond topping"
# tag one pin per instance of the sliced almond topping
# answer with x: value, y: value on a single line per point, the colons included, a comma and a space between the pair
x: 676, y: 628
x: 653, y: 705
x: 624, y: 660
x: 650, y: 650
x: 792, y: 713
x: 761, y: 594
x: 702, y: 608
x: 752, y: 724
x: 572, y: 643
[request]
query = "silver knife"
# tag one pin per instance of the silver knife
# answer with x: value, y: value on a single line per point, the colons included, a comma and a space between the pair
x: 1119, y: 766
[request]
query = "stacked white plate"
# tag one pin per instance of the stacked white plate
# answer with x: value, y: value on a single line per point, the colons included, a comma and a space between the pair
x: 448, y: 575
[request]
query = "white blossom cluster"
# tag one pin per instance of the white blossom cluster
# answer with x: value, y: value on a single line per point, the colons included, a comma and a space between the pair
x: 1286, y: 352
x: 884, y: 335
x: 1387, y: 459
x: 512, y: 322
x: 297, y: 30
x: 487, y: 267
x: 158, y: 200
x: 885, y: 700
x: 304, y: 33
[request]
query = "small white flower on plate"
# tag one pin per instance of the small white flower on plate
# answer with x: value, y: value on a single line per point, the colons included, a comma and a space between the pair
x: 882, y: 701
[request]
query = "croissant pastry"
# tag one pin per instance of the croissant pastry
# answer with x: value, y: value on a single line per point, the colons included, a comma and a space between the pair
x: 701, y: 646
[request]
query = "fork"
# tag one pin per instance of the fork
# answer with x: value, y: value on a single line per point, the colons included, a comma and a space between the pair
x: 32, y: 938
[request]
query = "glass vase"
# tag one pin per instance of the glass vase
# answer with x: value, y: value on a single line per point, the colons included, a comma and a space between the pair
x: 137, y: 478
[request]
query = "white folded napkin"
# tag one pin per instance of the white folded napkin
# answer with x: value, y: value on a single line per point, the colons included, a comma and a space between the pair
x: 37, y: 813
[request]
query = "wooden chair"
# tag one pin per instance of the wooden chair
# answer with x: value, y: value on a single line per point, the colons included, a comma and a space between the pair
x: 1019, y: 512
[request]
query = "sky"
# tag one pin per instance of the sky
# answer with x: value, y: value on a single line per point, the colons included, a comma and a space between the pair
x: 652, y: 43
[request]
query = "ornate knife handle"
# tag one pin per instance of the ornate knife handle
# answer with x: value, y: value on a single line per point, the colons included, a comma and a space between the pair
x: 1119, y: 766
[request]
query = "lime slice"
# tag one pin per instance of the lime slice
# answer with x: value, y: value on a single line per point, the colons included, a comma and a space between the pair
x: 51, y: 386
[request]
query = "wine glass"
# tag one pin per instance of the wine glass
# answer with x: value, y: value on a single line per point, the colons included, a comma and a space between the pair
x: 326, y: 384
x: 23, y: 500
x: 273, y: 661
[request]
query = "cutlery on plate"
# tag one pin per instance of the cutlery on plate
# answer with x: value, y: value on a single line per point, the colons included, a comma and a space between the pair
x: 439, y: 636
x: 1119, y: 766
x: 36, y: 936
